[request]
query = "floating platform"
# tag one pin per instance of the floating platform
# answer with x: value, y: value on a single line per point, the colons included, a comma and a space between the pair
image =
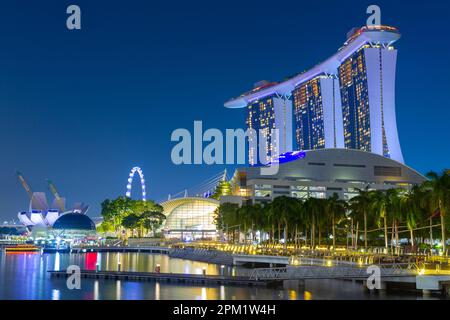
x: 175, y: 278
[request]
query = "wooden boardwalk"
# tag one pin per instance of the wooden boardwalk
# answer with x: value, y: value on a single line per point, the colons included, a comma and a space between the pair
x: 175, y: 278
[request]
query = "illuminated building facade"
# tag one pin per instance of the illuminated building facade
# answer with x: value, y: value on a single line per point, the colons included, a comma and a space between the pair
x: 317, y: 114
x: 308, y: 110
x: 190, y: 218
x: 263, y: 116
x: 321, y: 173
x: 348, y: 101
x: 355, y: 102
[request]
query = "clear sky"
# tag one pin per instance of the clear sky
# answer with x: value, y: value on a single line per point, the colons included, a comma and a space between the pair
x: 83, y: 107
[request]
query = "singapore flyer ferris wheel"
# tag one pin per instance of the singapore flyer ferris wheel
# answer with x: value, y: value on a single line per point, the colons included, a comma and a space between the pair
x: 130, y: 181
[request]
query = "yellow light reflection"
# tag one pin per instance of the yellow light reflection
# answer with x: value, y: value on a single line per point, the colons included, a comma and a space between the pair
x: 292, y: 295
x: 307, y: 295
x: 157, y: 291
x: 204, y: 294
x: 118, y: 290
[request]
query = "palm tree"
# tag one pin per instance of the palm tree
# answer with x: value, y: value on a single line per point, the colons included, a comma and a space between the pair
x: 380, y: 202
x: 264, y: 221
x: 439, y: 186
x: 335, y: 209
x: 256, y: 217
x: 321, y: 219
x: 286, y: 208
x: 411, y: 204
x: 314, y: 208
x: 361, y: 204
x: 299, y: 219
x: 271, y: 219
x: 354, y: 214
x: 226, y: 216
x: 243, y: 214
x: 394, y: 211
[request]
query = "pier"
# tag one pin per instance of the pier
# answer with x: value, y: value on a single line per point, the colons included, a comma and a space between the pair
x: 175, y: 278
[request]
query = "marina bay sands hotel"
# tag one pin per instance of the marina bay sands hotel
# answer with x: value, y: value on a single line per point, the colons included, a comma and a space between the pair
x: 348, y: 101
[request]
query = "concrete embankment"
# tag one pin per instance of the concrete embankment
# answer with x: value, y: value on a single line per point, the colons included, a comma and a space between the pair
x: 226, y: 258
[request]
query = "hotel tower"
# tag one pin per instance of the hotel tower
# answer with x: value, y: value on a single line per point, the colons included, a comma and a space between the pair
x: 348, y: 101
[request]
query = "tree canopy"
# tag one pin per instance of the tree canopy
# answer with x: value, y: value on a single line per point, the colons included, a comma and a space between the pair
x: 124, y: 213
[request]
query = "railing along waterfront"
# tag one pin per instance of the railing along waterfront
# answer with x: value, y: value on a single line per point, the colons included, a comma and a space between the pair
x: 332, y: 272
x: 368, y: 256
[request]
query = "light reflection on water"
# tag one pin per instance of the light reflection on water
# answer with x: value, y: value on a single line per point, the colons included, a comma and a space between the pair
x: 24, y: 276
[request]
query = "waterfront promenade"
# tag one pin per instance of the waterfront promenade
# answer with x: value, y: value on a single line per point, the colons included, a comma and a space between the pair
x: 273, y: 255
x: 404, y: 276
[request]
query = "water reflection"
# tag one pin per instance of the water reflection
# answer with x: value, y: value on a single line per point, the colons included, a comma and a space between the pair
x: 24, y: 276
x: 222, y: 292
x: 307, y: 295
x: 96, y: 290
x: 292, y: 295
x: 204, y: 296
x: 57, y: 262
x: 157, y: 291
x: 56, y: 294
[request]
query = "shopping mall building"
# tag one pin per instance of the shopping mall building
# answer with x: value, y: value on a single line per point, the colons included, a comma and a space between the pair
x: 321, y: 173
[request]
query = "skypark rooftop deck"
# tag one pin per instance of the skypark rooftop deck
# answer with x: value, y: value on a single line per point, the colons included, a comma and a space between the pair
x: 377, y: 35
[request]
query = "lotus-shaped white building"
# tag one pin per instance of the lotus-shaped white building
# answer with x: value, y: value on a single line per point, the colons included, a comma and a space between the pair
x: 40, y: 213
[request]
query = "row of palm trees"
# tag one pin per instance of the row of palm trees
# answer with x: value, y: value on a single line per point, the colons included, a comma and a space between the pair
x: 314, y: 221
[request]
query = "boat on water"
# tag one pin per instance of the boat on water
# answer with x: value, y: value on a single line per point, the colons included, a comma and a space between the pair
x: 22, y: 248
x: 53, y: 248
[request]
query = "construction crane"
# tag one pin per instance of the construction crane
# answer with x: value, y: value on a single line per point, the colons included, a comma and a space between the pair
x: 53, y: 190
x: 25, y: 185
x: 60, y: 202
x: 37, y: 199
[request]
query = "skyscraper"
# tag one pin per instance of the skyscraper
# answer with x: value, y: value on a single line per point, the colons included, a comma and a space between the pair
x: 265, y: 114
x: 348, y: 101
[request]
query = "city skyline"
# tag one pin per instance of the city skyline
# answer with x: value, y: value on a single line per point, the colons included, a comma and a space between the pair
x: 87, y: 130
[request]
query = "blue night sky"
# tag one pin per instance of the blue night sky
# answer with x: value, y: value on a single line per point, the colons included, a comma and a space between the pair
x: 83, y: 107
